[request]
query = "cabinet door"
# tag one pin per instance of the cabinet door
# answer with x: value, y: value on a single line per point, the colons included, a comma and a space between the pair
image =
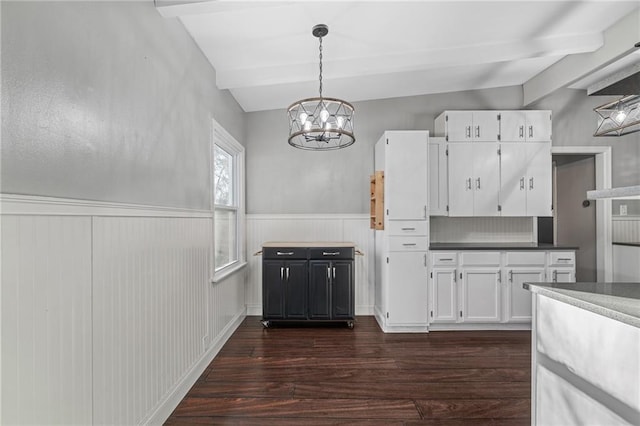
x: 407, y: 289
x: 406, y: 177
x: 513, y: 176
x: 459, y: 126
x: 513, y: 125
x: 538, y: 180
x: 518, y: 300
x: 438, y: 196
x: 342, y: 292
x: 444, y: 295
x: 481, y: 295
x: 273, y: 273
x: 486, y: 179
x: 319, y: 289
x: 296, y: 286
x: 538, y: 126
x: 460, y: 171
x: 486, y: 126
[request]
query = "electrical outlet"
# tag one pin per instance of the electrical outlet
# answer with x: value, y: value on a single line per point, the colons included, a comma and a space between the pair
x: 623, y: 209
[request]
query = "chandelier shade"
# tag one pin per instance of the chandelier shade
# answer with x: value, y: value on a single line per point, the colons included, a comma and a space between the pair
x: 321, y: 123
x: 619, y: 117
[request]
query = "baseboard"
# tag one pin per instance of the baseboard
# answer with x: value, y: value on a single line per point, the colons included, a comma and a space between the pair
x: 164, y: 409
x: 478, y: 327
x: 363, y: 310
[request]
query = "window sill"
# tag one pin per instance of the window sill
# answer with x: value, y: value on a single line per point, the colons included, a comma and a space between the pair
x: 229, y: 270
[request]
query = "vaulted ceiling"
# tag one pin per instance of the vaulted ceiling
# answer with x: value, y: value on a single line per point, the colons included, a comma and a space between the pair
x: 265, y: 54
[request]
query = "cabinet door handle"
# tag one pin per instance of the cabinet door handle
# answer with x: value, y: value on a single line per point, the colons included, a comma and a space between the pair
x: 530, y: 131
x: 460, y: 314
x: 287, y: 273
x: 468, y: 131
x: 455, y: 278
x: 530, y: 183
x: 522, y: 131
x: 334, y: 253
x: 521, y: 183
x: 469, y: 183
x: 425, y: 260
x: 425, y: 211
x: 478, y: 183
x: 477, y: 131
x: 555, y: 276
x: 281, y: 273
x: 334, y: 272
x: 283, y: 253
x: 328, y: 273
x: 499, y: 276
x: 510, y: 276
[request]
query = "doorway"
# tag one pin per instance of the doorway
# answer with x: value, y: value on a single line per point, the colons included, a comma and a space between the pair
x: 570, y: 189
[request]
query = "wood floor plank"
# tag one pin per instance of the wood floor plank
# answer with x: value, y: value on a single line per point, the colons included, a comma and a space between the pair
x: 338, y: 376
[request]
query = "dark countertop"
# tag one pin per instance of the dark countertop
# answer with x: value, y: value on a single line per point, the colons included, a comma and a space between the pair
x: 499, y: 246
x: 619, y: 301
x: 627, y: 244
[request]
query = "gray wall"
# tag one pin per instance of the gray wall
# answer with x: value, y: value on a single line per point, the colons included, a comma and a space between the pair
x: 282, y: 179
x: 107, y: 101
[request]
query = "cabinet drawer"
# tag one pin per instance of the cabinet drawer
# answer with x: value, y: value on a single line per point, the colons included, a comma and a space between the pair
x: 447, y: 258
x: 331, y: 253
x: 284, y: 252
x: 408, y: 243
x: 525, y: 258
x: 562, y: 258
x: 402, y: 227
x: 480, y: 258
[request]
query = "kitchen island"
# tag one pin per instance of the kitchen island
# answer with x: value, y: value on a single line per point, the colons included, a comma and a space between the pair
x: 585, y: 353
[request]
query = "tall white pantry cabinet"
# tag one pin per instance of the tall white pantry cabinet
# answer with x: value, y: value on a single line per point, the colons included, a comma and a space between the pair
x: 402, y: 246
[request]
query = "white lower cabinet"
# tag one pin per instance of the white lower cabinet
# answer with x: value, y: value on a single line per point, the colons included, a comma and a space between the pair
x: 407, y: 292
x: 484, y: 288
x: 481, y: 294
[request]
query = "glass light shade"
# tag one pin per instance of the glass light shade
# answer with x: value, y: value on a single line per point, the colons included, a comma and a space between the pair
x: 619, y: 117
x: 328, y: 125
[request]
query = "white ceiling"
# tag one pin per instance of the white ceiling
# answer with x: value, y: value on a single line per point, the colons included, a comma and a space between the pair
x: 265, y: 54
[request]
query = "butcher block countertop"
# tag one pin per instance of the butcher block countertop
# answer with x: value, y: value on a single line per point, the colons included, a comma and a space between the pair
x: 308, y: 244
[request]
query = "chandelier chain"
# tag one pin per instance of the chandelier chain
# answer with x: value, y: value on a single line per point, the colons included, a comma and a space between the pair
x: 320, y: 78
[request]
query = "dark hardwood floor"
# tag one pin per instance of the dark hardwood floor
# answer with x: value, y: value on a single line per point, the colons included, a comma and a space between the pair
x: 335, y: 375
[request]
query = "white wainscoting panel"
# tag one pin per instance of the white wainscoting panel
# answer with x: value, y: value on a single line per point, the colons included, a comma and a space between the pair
x: 626, y: 229
x: 150, y: 280
x: 482, y: 229
x: 354, y: 228
x: 46, y: 320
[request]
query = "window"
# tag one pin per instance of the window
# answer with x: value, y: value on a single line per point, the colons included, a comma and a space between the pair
x: 228, y: 203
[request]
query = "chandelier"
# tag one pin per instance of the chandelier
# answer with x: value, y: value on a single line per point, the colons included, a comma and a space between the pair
x: 619, y: 117
x: 321, y: 124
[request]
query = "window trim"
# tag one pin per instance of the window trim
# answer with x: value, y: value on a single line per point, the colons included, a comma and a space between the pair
x: 221, y: 138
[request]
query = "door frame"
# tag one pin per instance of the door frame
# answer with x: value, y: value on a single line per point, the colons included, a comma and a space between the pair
x: 604, y: 247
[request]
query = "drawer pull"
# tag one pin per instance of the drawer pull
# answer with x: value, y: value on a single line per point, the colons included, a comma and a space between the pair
x: 283, y: 253
x: 445, y: 260
x: 333, y: 253
x: 564, y: 259
x: 408, y: 244
x: 408, y: 229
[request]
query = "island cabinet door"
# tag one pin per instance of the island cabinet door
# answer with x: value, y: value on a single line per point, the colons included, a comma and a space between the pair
x: 296, y: 287
x: 273, y: 274
x: 342, y: 291
x: 320, y: 273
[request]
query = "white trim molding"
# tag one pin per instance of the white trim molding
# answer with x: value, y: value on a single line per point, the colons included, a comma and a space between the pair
x: 16, y: 204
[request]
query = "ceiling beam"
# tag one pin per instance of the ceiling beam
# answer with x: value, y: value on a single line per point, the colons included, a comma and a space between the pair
x: 176, y: 8
x: 619, y: 40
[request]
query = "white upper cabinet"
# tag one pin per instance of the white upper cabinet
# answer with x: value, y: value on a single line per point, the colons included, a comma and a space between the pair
x: 406, y: 179
x: 468, y: 126
x: 525, y: 179
x: 525, y: 126
x: 474, y: 179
